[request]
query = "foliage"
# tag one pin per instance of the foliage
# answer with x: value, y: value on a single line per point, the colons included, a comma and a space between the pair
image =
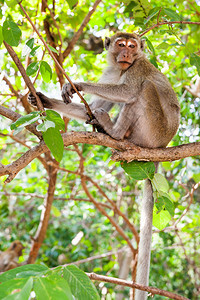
x: 30, y: 280
x: 77, y: 230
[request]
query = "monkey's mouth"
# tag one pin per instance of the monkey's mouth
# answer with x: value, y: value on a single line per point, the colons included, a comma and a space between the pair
x: 124, y: 62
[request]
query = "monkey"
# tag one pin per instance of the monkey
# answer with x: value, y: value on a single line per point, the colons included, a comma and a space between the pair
x: 9, y: 258
x: 149, y: 115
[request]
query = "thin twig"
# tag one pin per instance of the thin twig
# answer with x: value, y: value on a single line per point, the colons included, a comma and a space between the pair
x: 167, y: 23
x: 56, y: 62
x: 152, y: 290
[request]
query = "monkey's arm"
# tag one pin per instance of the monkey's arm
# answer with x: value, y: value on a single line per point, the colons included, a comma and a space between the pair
x: 119, y: 93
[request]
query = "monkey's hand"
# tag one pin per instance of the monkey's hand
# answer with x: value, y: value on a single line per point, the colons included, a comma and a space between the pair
x: 44, y: 99
x: 68, y: 91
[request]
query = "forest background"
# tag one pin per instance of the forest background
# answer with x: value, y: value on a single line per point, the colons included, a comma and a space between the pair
x: 85, y: 209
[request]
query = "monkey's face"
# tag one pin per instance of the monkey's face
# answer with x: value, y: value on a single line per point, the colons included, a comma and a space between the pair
x: 125, y: 50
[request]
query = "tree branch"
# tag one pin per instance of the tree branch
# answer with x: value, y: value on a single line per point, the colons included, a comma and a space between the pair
x: 131, y: 151
x: 152, y: 290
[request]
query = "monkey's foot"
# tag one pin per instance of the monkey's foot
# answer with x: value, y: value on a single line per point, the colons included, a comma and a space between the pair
x: 102, y: 120
x: 45, y: 100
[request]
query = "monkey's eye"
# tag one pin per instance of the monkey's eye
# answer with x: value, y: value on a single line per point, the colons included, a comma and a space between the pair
x: 132, y: 46
x: 121, y: 45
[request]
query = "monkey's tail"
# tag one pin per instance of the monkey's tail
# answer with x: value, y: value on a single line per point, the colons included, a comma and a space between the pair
x: 144, y: 254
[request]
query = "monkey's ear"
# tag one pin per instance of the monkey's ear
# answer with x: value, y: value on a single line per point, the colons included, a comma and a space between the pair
x: 107, y: 42
x: 142, y: 44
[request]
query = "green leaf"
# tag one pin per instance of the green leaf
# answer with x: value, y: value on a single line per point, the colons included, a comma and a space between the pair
x: 32, y: 68
x: 81, y: 286
x: 11, y: 3
x: 163, y: 45
x: 45, y: 71
x: 56, y: 118
x: 52, y: 288
x: 153, y: 12
x: 45, y: 125
x: 53, y: 49
x: 161, y: 219
x: 26, y: 120
x: 54, y: 142
x: 28, y: 47
x: 11, y: 33
x: 195, y: 61
x: 72, y: 3
x: 24, y: 293
x: 55, y: 211
x: 1, y: 36
x: 139, y: 170
x: 164, y: 203
x: 160, y: 183
x: 172, y: 14
x: 33, y: 52
x: 19, y: 271
x: 150, y: 45
x: 8, y: 287
x: 130, y: 7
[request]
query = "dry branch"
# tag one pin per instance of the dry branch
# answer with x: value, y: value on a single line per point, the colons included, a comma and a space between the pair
x: 152, y: 290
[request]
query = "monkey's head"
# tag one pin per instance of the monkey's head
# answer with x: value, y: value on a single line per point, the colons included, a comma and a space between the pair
x: 123, y: 49
x: 17, y: 247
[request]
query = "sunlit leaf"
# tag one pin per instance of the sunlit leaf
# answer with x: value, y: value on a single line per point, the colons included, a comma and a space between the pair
x: 45, y: 71
x: 32, y: 68
x: 80, y: 285
x: 161, y: 219
x: 56, y: 118
x: 160, y: 183
x: 26, y: 120
x: 11, y: 33
x: 54, y: 142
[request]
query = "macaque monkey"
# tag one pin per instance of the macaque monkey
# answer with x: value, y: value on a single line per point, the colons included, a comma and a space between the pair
x: 148, y: 117
x: 9, y: 258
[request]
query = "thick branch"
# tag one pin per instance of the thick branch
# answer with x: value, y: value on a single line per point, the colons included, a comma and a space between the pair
x: 152, y: 290
x: 131, y: 152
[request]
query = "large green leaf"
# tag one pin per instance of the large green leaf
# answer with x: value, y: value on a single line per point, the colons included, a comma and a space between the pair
x: 11, y: 33
x: 81, y: 286
x: 22, y: 272
x: 54, y: 142
x: 139, y: 170
x: 52, y: 288
x: 8, y: 287
x: 24, y: 293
